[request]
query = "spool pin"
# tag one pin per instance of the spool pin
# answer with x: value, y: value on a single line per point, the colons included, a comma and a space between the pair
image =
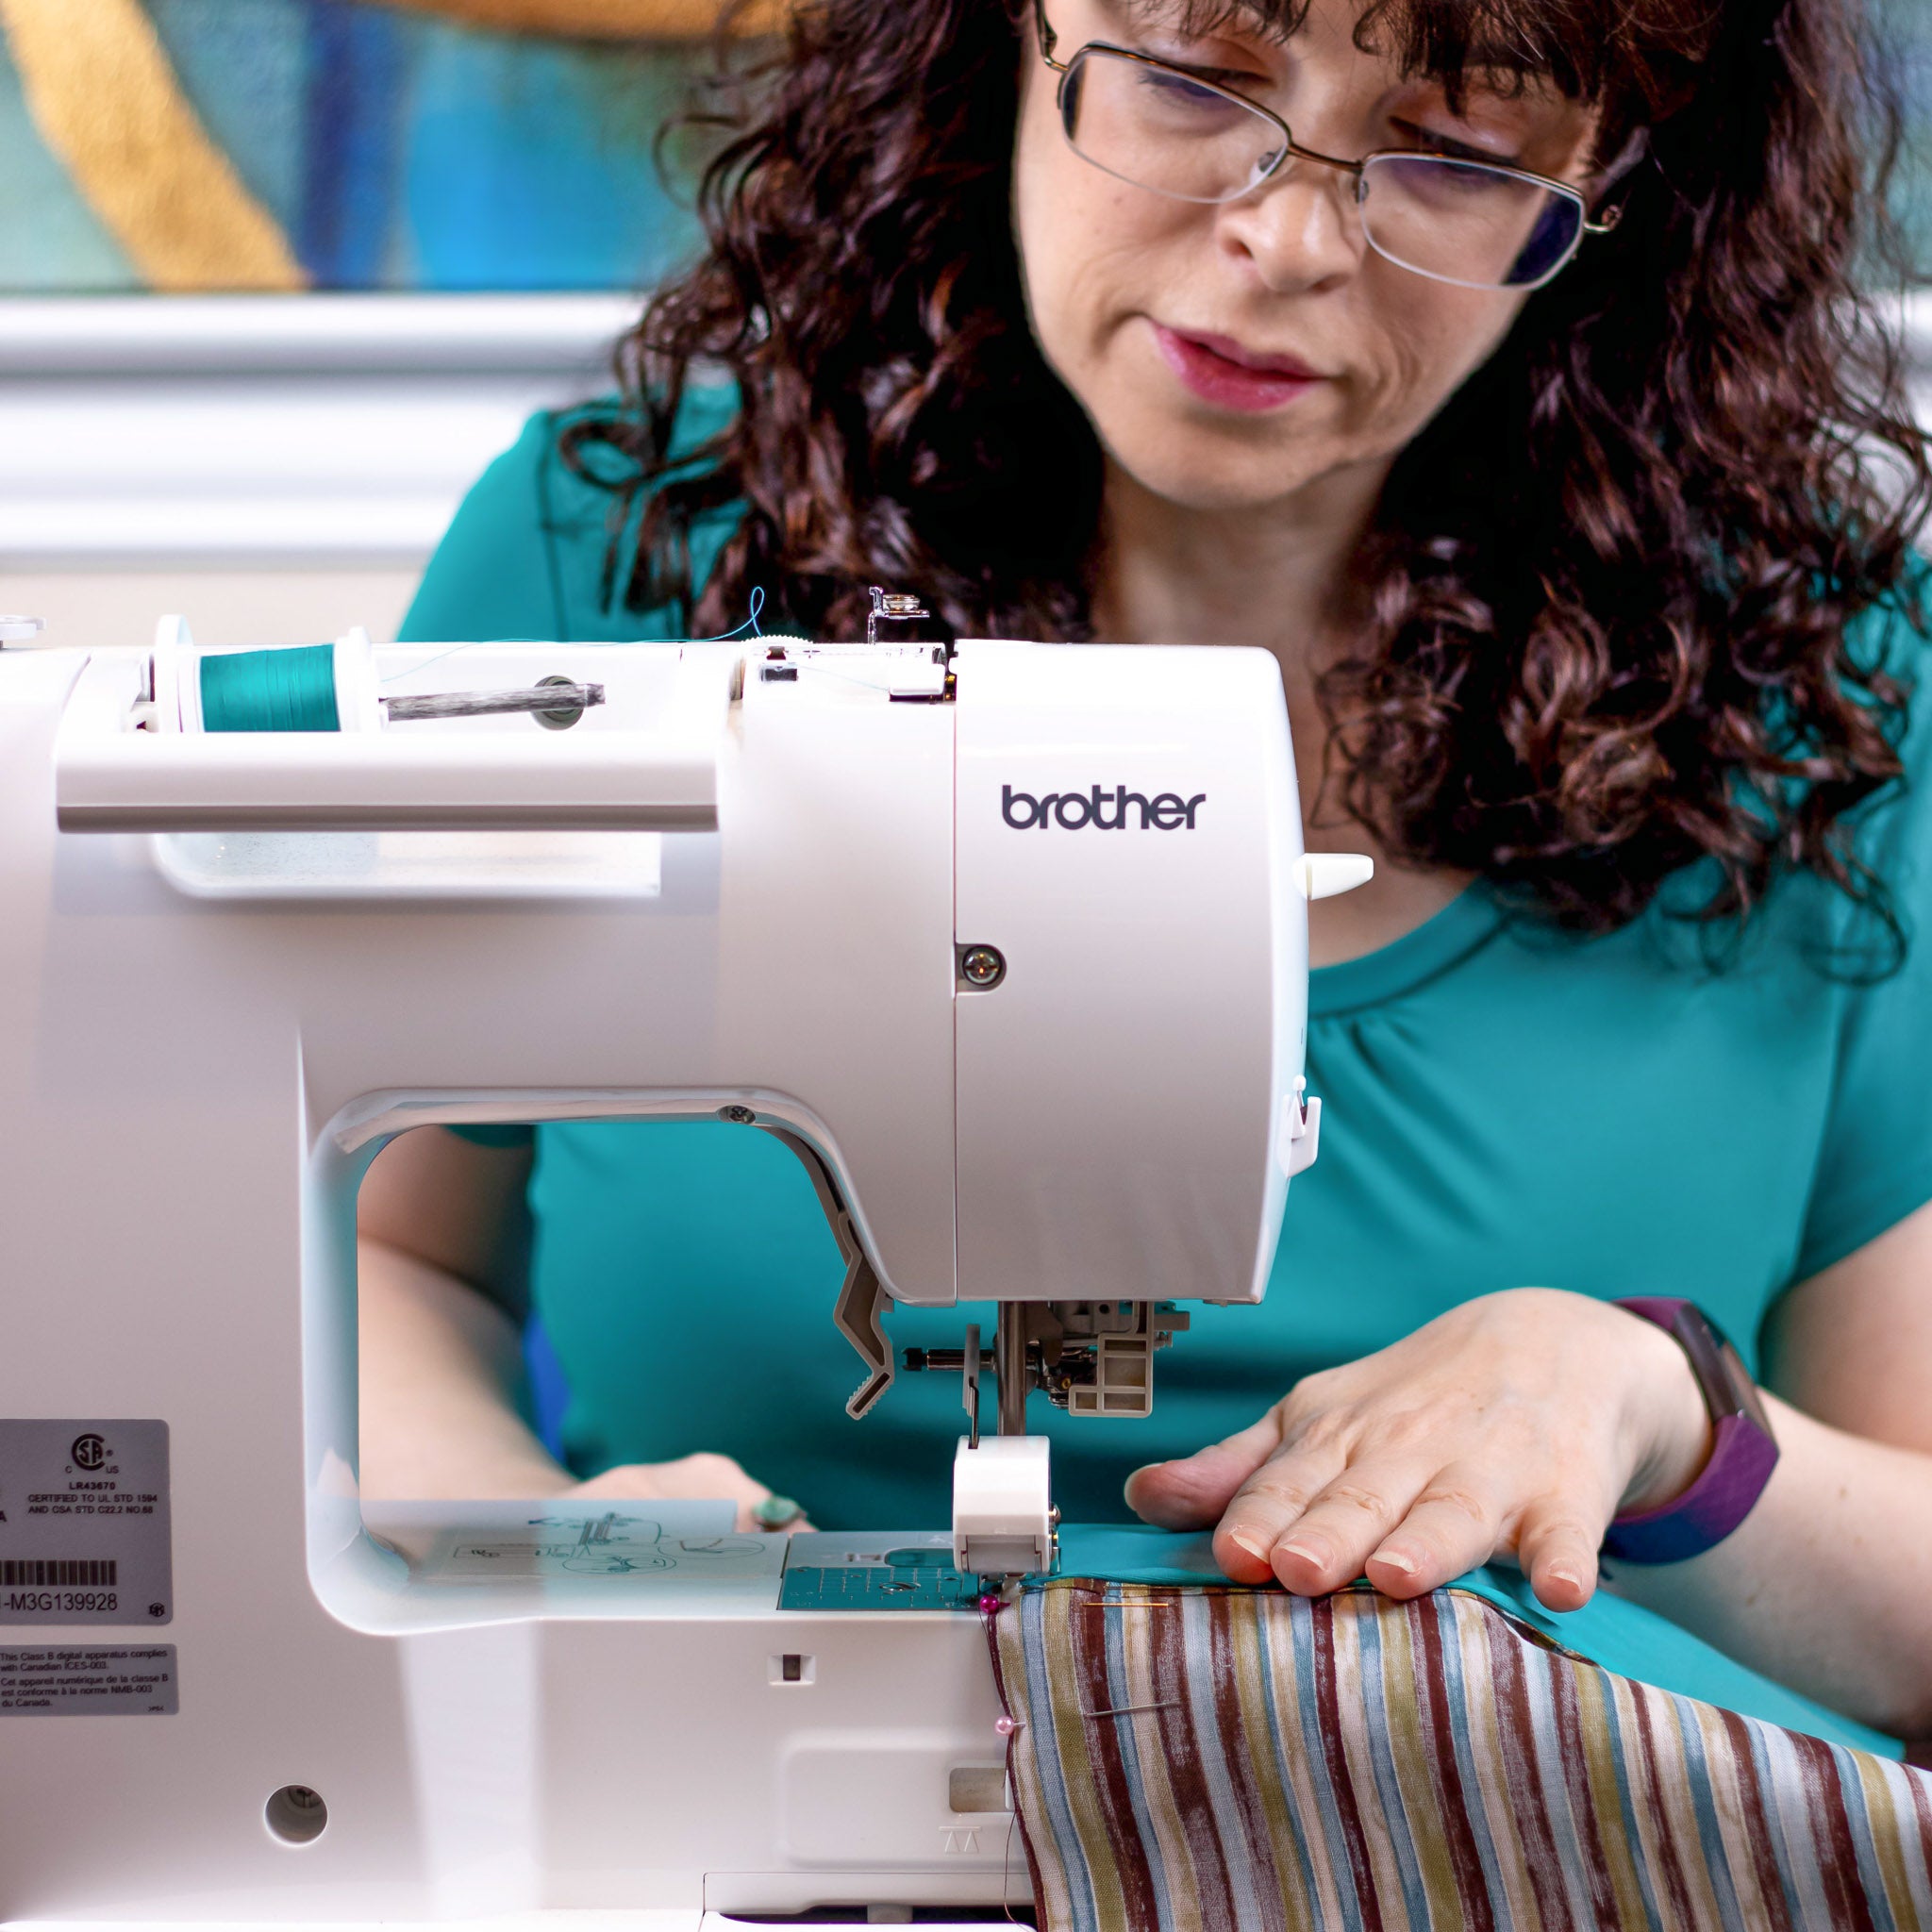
x: 486, y: 704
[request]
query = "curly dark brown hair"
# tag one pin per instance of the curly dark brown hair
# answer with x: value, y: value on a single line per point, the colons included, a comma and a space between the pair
x: 1607, y: 589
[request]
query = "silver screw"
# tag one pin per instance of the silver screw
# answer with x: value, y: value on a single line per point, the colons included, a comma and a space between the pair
x: 982, y: 966
x: 737, y: 1116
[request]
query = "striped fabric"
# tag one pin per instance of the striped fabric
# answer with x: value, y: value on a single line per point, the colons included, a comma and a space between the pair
x: 1199, y: 1759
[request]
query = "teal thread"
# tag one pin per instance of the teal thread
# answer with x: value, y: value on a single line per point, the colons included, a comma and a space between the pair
x: 289, y: 690
x: 756, y: 603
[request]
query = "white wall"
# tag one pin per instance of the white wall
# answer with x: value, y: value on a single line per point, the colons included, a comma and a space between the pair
x: 276, y: 469
x: 280, y: 469
x: 112, y: 605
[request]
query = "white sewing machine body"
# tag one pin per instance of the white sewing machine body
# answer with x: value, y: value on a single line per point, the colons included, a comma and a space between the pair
x: 745, y: 883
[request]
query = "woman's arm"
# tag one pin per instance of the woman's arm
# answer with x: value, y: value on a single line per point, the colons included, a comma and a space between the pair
x: 1518, y: 1425
x: 1827, y: 1584
x: 443, y: 1256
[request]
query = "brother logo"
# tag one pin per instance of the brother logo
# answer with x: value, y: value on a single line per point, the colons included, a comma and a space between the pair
x: 1105, y: 809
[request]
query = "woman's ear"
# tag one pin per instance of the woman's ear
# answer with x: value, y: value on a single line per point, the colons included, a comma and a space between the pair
x: 1602, y: 180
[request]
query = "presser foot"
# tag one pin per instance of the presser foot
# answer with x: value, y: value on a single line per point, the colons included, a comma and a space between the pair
x: 1003, y: 1522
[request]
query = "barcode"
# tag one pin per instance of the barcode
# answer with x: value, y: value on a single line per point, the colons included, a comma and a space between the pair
x: 55, y: 1572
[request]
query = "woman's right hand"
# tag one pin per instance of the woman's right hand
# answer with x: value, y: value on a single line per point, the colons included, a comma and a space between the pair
x: 690, y: 1479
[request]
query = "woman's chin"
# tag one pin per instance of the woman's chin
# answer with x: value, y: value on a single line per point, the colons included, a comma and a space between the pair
x: 1214, y: 482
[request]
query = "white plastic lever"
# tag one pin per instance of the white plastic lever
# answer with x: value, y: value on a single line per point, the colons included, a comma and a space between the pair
x: 1322, y: 875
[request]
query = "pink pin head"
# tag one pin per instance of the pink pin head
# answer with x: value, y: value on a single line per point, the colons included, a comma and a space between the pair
x: 1006, y: 1726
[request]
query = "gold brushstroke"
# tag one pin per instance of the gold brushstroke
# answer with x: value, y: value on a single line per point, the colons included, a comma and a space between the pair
x: 106, y: 102
x: 604, y: 20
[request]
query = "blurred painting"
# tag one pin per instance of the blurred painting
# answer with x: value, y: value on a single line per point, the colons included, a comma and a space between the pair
x: 409, y: 144
x: 365, y: 144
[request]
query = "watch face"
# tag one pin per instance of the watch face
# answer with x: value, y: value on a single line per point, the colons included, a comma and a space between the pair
x: 1727, y: 1389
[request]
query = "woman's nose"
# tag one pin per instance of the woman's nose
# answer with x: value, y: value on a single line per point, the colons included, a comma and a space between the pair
x: 1300, y: 229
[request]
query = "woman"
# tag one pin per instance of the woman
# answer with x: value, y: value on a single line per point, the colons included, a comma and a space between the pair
x: 1521, y: 401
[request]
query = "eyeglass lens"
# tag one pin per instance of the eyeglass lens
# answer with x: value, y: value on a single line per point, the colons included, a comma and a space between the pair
x: 1454, y: 221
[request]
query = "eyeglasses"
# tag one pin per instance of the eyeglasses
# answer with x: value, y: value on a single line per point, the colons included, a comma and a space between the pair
x: 1477, y: 224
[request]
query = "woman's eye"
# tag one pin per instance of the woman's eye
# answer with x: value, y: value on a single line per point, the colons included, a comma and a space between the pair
x: 1178, y: 91
x: 1429, y: 139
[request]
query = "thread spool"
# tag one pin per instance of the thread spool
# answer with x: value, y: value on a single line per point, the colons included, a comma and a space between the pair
x: 288, y: 689
x: 295, y: 688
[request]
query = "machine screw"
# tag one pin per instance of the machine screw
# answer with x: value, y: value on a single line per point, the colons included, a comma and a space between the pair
x: 738, y: 1116
x: 982, y: 967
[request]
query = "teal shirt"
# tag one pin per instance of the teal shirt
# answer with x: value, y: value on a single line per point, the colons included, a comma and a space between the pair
x: 1502, y: 1107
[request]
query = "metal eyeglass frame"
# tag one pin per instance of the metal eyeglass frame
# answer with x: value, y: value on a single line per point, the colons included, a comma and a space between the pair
x: 1292, y: 149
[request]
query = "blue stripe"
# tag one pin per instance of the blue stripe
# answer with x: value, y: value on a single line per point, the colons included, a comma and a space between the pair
x: 353, y: 128
x: 1278, y: 1740
x: 1302, y: 1624
x: 1709, y: 1832
x: 1550, y: 1752
x: 1457, y: 1718
x: 1238, y: 1854
x: 1620, y: 1745
x: 1797, y: 1861
x: 1045, y: 1745
x: 1118, y: 1694
x: 1871, y: 1875
x: 1397, y: 1829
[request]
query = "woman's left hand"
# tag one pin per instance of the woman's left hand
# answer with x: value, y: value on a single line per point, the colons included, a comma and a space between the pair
x: 1514, y: 1425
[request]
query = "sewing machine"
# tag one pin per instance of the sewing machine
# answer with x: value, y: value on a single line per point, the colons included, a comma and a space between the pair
x: 1006, y: 942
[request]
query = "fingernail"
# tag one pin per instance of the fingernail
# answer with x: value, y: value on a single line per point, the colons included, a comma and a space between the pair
x: 1394, y: 1559
x: 1316, y: 1554
x: 1242, y: 1540
x: 1569, y: 1576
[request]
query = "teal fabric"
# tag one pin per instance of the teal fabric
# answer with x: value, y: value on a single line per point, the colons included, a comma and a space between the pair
x: 1502, y: 1107
x: 1622, y: 1637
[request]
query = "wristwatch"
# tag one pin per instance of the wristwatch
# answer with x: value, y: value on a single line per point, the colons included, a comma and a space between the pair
x: 1743, y: 1455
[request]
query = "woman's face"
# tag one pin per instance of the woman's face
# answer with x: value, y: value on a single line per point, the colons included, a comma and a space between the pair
x: 1230, y: 356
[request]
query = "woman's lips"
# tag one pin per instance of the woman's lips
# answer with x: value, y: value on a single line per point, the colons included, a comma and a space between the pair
x: 1219, y: 369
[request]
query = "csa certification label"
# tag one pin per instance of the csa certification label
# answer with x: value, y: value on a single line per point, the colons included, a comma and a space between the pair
x: 90, y: 1681
x: 84, y: 1524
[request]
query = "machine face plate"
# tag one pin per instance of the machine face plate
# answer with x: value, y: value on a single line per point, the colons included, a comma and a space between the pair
x: 84, y: 1535
x: 877, y: 1572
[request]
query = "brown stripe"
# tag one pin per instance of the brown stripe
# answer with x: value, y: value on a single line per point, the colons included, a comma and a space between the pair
x: 1506, y: 1653
x: 1831, y: 1834
x: 1271, y: 1703
x: 1603, y: 1904
x: 1771, y: 1884
x: 1194, y: 1802
x: 1453, y: 1800
x: 1003, y: 1630
x: 1667, y: 1870
x: 1269, y: 1882
x: 1328, y: 1726
x: 1921, y: 1789
x: 1087, y: 1638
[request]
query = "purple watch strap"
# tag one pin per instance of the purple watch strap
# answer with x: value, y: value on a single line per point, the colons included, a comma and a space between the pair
x: 1742, y: 1457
